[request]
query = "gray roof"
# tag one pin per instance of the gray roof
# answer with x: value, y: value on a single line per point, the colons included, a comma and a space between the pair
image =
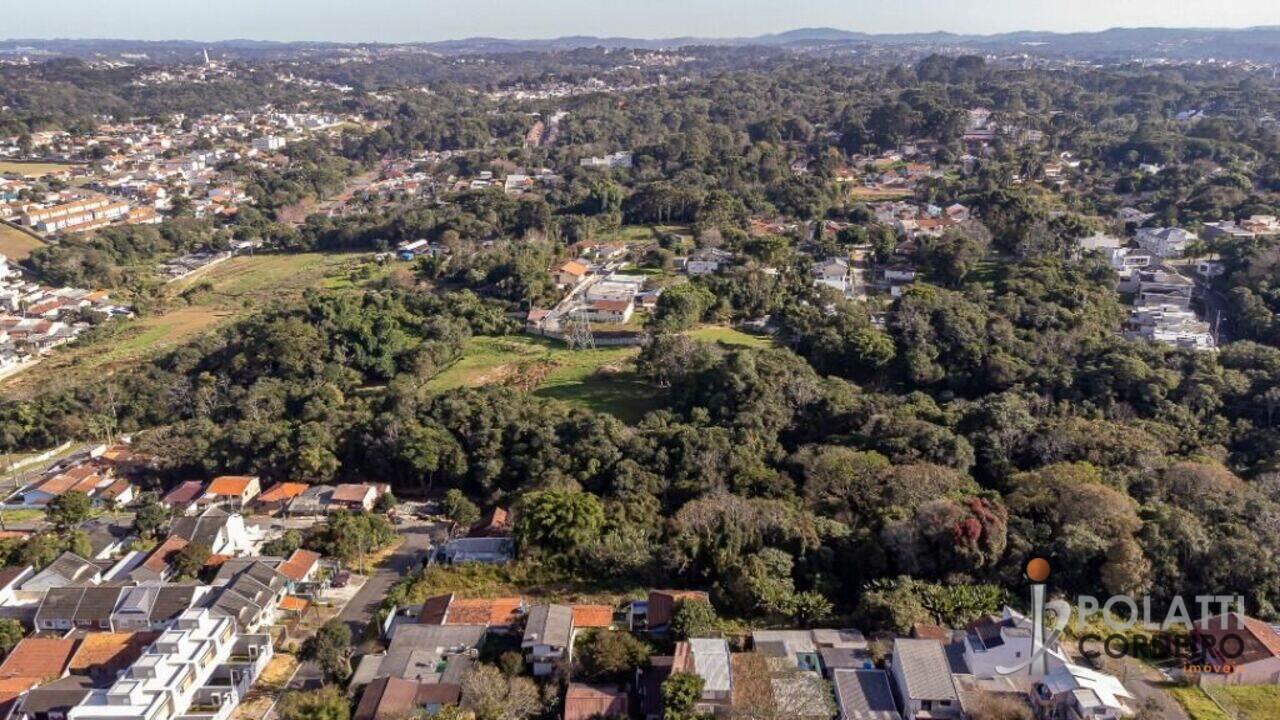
x: 711, y: 663
x: 794, y: 641
x: 57, y: 697
x: 172, y: 601
x: 138, y: 600
x: 97, y: 604
x: 865, y: 695
x: 420, y: 651
x: 202, y: 529
x: 925, y: 669
x: 844, y: 657
x: 549, y: 625
x: 68, y: 568
x: 60, y: 603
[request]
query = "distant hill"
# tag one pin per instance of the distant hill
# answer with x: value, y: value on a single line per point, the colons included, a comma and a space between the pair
x: 1260, y: 44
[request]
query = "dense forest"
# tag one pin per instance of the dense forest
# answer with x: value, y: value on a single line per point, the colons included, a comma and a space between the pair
x: 881, y: 454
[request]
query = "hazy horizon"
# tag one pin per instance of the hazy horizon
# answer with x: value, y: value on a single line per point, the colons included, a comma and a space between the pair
x: 398, y: 21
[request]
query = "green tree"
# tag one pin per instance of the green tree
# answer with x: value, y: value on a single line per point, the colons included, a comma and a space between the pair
x: 69, y: 510
x: 11, y: 631
x: 680, y: 693
x: 327, y: 703
x: 491, y: 695
x: 558, y: 521
x: 330, y: 648
x: 608, y: 656
x: 459, y: 509
x: 151, y: 518
x: 694, y: 617
x: 190, y: 560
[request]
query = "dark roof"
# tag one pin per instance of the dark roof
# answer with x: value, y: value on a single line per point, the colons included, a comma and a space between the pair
x: 184, y: 493
x: 865, y: 695
x: 103, y: 534
x: 72, y: 567
x: 549, y: 625
x: 172, y: 601
x: 391, y: 697
x: 60, y: 603
x: 651, y: 683
x: 58, y: 696
x: 844, y: 658
x: 202, y: 529
x: 10, y: 573
x: 97, y: 604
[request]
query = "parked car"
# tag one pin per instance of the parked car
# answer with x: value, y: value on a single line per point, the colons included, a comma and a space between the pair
x: 341, y: 579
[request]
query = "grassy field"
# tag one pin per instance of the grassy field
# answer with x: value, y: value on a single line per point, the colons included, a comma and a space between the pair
x: 729, y: 336
x: 235, y: 287
x: 31, y: 170
x: 868, y: 194
x: 601, y: 380
x: 21, y: 515
x: 1251, y: 702
x: 632, y: 234
x: 1197, y: 704
x: 16, y: 244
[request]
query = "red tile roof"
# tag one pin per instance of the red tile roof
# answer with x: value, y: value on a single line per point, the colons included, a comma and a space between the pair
x: 43, y: 658
x: 229, y: 485
x: 282, y: 491
x: 299, y: 564
x: 185, y: 492
x: 592, y: 616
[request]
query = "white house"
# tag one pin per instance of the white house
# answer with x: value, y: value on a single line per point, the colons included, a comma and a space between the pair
x: 1165, y: 242
x: 1006, y: 641
x: 611, y: 312
x: 923, y: 680
x: 548, y: 637
x: 1075, y: 691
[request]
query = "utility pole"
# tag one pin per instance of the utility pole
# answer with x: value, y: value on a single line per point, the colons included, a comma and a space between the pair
x: 579, y: 336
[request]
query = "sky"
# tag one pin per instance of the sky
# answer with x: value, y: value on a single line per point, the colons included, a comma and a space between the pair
x: 429, y: 20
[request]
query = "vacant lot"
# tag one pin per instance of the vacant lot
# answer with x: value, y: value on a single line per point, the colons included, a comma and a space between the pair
x: 729, y: 336
x: 602, y: 379
x: 31, y: 170
x: 223, y: 292
x: 1248, y: 702
x: 16, y: 244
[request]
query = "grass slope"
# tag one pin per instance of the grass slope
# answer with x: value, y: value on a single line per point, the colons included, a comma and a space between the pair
x: 16, y: 244
x: 237, y: 286
x: 601, y: 380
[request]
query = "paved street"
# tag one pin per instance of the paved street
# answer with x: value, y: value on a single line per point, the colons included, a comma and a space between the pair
x: 361, y: 609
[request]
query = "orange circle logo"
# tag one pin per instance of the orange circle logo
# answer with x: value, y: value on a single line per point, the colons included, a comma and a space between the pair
x: 1038, y: 570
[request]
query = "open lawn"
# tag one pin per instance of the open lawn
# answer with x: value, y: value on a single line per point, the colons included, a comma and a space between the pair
x: 729, y: 336
x: 1197, y: 704
x: 601, y: 379
x: 235, y: 287
x: 631, y: 234
x: 21, y: 515
x: 31, y: 170
x: 534, y: 581
x: 868, y: 194
x: 1250, y: 702
x: 16, y: 244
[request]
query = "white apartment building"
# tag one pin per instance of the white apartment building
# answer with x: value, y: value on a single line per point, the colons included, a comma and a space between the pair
x: 269, y: 143
x: 199, y: 670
